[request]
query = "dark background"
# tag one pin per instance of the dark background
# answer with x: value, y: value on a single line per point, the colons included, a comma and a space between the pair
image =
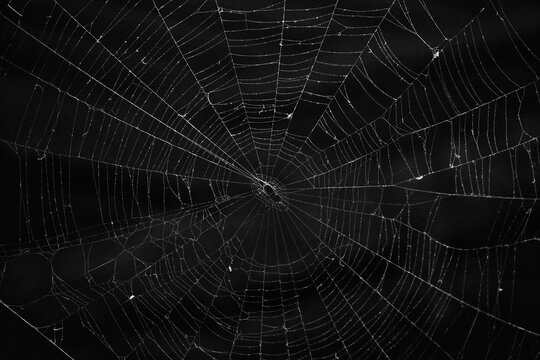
x: 76, y: 170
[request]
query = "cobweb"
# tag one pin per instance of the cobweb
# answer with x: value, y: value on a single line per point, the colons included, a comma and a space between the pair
x: 272, y: 179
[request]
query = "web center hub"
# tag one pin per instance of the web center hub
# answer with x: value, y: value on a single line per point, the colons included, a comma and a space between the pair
x: 270, y: 191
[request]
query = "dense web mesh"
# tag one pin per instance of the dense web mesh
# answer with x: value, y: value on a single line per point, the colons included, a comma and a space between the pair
x: 272, y: 179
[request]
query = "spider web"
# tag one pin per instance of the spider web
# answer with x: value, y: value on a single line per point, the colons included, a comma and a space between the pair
x: 272, y: 179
